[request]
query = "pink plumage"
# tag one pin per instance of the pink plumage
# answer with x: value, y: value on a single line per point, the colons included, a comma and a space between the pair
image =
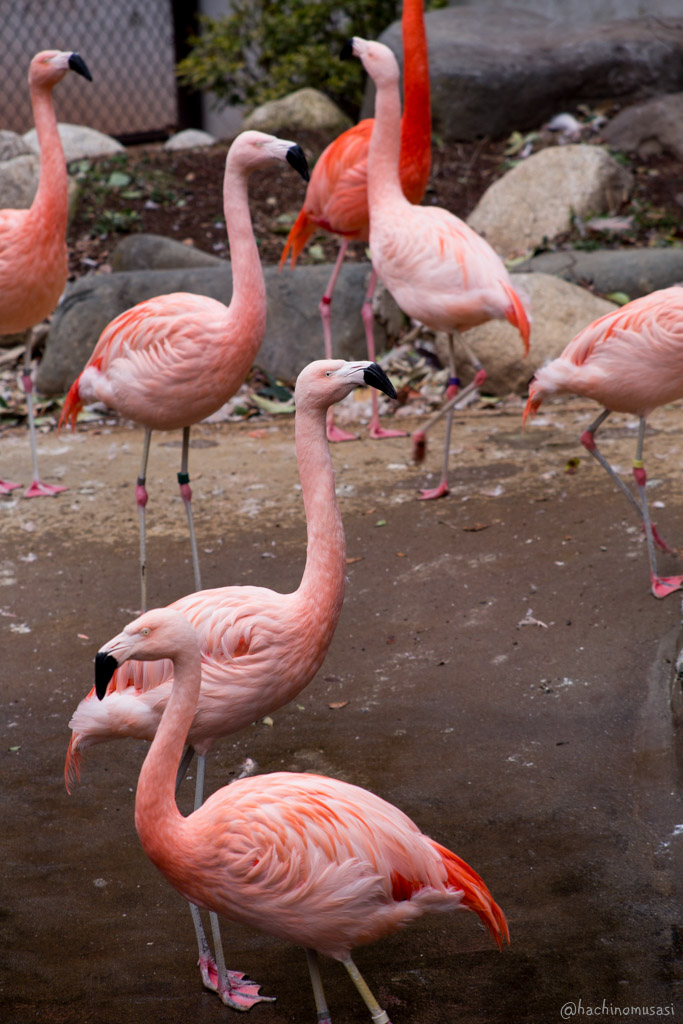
x: 311, y: 860
x: 630, y: 360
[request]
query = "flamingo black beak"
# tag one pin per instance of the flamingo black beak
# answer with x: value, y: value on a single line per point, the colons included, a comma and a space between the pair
x: 375, y: 377
x: 77, y: 64
x: 295, y: 157
x: 347, y: 50
x: 105, y: 666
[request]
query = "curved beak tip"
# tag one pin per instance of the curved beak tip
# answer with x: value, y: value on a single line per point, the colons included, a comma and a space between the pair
x: 77, y: 64
x: 297, y: 160
x: 347, y: 50
x: 105, y: 666
x: 375, y: 377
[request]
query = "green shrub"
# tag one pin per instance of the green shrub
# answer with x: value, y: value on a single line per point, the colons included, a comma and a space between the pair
x: 265, y: 49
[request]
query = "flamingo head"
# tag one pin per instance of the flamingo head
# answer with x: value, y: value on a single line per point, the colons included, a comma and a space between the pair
x: 160, y: 633
x: 326, y: 381
x: 49, y: 67
x: 377, y: 59
x: 257, y: 149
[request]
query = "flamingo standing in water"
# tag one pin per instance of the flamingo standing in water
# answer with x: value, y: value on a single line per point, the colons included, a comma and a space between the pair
x: 259, y: 648
x: 630, y: 360
x: 308, y: 859
x: 33, y: 256
x: 175, y: 359
x: 337, y: 200
x: 438, y: 269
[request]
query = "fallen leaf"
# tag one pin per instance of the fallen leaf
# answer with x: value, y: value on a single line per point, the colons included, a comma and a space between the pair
x: 336, y: 704
x: 572, y: 465
x: 356, y: 558
x: 83, y: 636
x: 476, y: 527
x: 381, y: 522
x: 400, y: 554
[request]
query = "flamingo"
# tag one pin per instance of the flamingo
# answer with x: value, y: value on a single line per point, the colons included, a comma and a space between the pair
x: 336, y: 197
x: 438, y: 269
x: 33, y: 256
x: 259, y: 648
x: 308, y: 859
x: 175, y: 359
x: 630, y: 360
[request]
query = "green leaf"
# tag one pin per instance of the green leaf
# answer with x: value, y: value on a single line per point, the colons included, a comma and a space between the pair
x: 118, y: 179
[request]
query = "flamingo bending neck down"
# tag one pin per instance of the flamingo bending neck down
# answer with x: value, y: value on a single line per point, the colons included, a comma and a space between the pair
x: 439, y: 271
x: 33, y: 256
x: 336, y: 198
x: 308, y: 859
x: 173, y: 360
x: 259, y: 648
x: 630, y: 360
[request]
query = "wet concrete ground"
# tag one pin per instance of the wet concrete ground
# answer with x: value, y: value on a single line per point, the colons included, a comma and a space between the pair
x: 509, y: 681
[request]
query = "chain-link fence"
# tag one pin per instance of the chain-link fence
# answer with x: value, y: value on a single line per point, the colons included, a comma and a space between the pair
x: 129, y: 47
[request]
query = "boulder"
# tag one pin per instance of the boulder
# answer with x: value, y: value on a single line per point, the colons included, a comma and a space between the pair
x: 18, y: 182
x: 559, y: 310
x: 13, y: 145
x: 304, y: 110
x: 143, y: 251
x: 492, y: 72
x: 189, y: 138
x: 293, y: 335
x: 80, y: 142
x: 535, y: 201
x: 634, y: 272
x: 650, y: 128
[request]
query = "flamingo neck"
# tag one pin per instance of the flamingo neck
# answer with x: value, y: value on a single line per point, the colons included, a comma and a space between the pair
x: 248, y: 303
x: 323, y: 581
x: 384, y: 186
x: 416, y: 124
x: 50, y: 201
x: 158, y: 821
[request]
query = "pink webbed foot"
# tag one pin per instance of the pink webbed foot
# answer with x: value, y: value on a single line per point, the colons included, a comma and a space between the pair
x: 239, y: 994
x: 6, y: 486
x: 38, y: 489
x: 377, y: 432
x: 428, y: 494
x: 662, y: 586
x: 336, y: 434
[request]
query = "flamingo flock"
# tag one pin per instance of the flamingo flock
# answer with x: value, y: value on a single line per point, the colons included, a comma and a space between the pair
x: 313, y: 861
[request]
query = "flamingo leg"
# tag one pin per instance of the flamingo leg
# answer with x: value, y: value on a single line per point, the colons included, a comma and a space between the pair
x: 379, y: 1016
x: 318, y: 991
x: 377, y: 432
x: 453, y: 397
x: 334, y: 433
x: 186, y: 495
x: 141, y: 499
x: 661, y: 585
x: 37, y: 488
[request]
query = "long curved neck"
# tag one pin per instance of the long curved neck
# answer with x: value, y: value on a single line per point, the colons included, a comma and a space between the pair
x: 248, y: 301
x: 157, y: 819
x: 416, y: 124
x: 384, y: 185
x: 322, y: 584
x: 51, y: 198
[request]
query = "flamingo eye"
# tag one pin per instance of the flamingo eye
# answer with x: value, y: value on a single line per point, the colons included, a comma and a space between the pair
x: 145, y: 631
x: 328, y: 373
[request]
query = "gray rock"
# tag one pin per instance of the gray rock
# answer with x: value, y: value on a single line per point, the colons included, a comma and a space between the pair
x: 492, y: 72
x: 18, y: 182
x: 635, y: 272
x: 80, y: 142
x: 536, y: 199
x: 293, y: 335
x: 190, y: 138
x: 649, y: 128
x: 305, y: 109
x: 157, y: 252
x: 559, y: 311
x: 12, y: 145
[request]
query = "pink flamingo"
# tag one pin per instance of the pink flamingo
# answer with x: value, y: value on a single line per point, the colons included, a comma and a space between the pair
x: 33, y: 256
x: 336, y: 197
x: 175, y: 359
x: 307, y: 859
x: 259, y: 648
x: 438, y: 270
x: 630, y: 360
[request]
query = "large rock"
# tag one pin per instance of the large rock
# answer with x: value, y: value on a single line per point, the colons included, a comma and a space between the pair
x: 559, y: 310
x: 304, y: 110
x: 19, y: 183
x: 293, y: 335
x: 535, y: 201
x: 650, y: 128
x: 144, y: 251
x: 13, y: 145
x: 492, y: 72
x: 634, y: 272
x: 189, y: 138
x: 79, y: 142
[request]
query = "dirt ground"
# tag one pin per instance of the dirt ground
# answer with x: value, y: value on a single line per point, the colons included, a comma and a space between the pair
x: 506, y: 680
